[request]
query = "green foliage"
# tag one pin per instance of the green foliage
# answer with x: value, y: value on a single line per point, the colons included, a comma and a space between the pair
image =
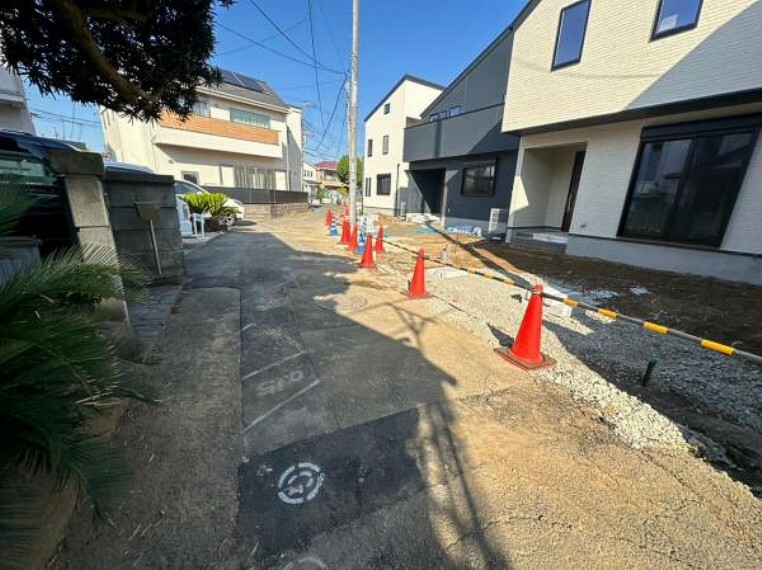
x: 212, y: 203
x: 59, y: 371
x: 321, y: 193
x: 342, y: 170
x: 138, y: 58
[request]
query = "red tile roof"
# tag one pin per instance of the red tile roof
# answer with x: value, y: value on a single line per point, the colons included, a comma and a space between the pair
x: 327, y: 165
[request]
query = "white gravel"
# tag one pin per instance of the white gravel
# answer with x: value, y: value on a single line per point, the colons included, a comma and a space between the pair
x: 590, y: 348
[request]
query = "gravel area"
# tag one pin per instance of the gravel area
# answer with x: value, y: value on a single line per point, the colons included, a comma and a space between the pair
x: 600, y: 361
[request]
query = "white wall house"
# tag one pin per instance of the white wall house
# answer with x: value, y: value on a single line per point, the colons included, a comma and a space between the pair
x: 639, y: 126
x: 241, y: 135
x: 385, y: 172
x: 309, y: 178
x: 14, y: 113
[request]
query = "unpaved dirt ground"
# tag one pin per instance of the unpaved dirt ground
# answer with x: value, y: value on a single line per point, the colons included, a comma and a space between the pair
x: 410, y: 444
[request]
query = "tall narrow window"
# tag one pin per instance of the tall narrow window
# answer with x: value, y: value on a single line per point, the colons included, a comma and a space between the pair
x: 367, y: 186
x: 201, y: 108
x: 571, y: 34
x: 384, y: 184
x: 370, y: 148
x: 684, y: 189
x: 385, y: 145
x: 675, y: 16
x: 387, y: 108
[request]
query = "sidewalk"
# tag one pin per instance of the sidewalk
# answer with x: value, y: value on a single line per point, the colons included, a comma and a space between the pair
x: 367, y: 433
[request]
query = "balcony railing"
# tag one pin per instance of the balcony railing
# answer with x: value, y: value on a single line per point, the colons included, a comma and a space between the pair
x: 221, y: 128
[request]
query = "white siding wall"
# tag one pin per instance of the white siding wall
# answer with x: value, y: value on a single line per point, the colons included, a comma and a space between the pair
x: 621, y: 68
x: 407, y: 103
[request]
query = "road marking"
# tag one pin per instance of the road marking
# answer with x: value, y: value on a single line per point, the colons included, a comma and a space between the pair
x: 306, y: 563
x: 247, y: 327
x: 277, y: 363
x: 283, y: 403
x: 300, y: 483
x: 270, y: 387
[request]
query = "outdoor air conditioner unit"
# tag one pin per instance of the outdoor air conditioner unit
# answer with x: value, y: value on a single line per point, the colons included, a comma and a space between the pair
x: 498, y: 221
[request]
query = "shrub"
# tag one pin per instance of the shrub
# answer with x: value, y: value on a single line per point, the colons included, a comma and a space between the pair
x: 212, y: 203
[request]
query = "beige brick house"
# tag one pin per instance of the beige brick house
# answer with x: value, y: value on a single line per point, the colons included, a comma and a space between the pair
x: 639, y: 128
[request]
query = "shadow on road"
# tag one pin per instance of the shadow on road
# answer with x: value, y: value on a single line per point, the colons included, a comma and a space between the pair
x: 350, y: 458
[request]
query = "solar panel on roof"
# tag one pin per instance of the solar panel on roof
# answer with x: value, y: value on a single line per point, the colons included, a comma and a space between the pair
x: 233, y: 78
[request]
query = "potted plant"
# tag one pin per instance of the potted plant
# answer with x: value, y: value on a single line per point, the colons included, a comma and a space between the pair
x: 217, y: 216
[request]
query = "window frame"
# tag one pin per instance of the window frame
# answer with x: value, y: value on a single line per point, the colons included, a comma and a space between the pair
x: 655, y: 35
x: 433, y: 117
x: 194, y: 173
x: 369, y: 150
x: 465, y: 167
x: 554, y: 65
x: 246, y: 111
x: 693, y: 131
x: 368, y: 186
x: 378, y: 184
x: 385, y: 145
x: 459, y: 112
x: 387, y: 108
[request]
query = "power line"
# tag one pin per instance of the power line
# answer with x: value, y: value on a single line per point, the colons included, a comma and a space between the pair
x: 314, y: 58
x: 263, y: 40
x: 274, y: 51
x: 330, y: 33
x: 333, y: 113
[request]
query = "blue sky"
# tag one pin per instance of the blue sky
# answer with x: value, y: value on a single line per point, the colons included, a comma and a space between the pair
x: 432, y: 39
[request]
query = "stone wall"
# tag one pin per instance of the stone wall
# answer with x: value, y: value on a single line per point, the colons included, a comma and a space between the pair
x: 268, y: 211
x: 131, y: 233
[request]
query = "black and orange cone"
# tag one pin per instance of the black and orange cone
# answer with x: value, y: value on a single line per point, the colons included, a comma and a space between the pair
x: 525, y: 352
x: 417, y: 289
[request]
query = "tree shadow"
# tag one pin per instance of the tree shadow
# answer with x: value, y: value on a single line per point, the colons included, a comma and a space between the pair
x: 338, y: 399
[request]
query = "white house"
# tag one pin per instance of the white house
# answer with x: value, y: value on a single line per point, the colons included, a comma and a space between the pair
x: 384, y: 170
x: 14, y: 113
x: 639, y: 126
x: 240, y: 135
x: 309, y: 178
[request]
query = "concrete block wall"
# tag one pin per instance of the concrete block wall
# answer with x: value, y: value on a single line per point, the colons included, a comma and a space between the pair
x: 131, y: 234
x: 268, y: 211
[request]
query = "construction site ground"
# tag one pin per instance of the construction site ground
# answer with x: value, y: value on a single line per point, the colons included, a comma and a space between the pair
x: 315, y: 417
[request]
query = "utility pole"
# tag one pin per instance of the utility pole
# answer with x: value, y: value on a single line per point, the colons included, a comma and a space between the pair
x: 353, y: 113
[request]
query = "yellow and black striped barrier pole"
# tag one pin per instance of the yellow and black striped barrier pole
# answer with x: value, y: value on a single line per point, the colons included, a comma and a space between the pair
x: 718, y: 347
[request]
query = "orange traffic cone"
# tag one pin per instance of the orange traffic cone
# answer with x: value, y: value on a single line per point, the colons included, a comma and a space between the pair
x: 328, y: 218
x: 353, y: 245
x: 380, y: 240
x: 344, y: 233
x: 525, y: 352
x: 367, y: 256
x: 417, y: 288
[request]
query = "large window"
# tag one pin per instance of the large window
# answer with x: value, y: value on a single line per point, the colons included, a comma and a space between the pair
x: 370, y: 148
x: 249, y: 118
x: 571, y: 34
x: 385, y: 145
x: 256, y: 177
x: 383, y: 184
x: 478, y: 180
x: 201, y: 108
x: 684, y: 188
x: 675, y: 16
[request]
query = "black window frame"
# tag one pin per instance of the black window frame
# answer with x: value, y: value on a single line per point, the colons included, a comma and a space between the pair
x: 385, y: 145
x: 379, y: 186
x: 387, y: 108
x: 693, y: 131
x: 655, y: 35
x: 370, y: 148
x: 459, y: 110
x: 554, y: 65
x: 368, y: 182
x: 491, y: 164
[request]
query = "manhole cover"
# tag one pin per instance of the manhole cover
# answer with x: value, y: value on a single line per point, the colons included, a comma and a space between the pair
x: 342, y: 302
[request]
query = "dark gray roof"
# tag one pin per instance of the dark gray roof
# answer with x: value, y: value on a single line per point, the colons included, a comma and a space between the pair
x: 412, y: 78
x: 239, y: 85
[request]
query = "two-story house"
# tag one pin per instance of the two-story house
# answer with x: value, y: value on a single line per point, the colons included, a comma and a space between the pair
x: 309, y: 179
x: 386, y: 179
x: 639, y: 126
x: 460, y: 163
x: 327, y: 176
x: 14, y: 113
x: 241, y: 134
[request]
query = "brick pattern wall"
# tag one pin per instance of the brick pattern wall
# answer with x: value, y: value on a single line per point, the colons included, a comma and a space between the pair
x: 210, y: 126
x: 268, y: 211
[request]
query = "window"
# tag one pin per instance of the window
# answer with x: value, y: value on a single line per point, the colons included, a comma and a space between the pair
x: 387, y: 108
x: 383, y: 184
x: 455, y: 111
x: 675, y: 16
x: 255, y: 177
x: 249, y: 118
x: 201, y: 108
x: 367, y: 186
x: 370, y: 147
x: 684, y: 189
x: 571, y: 34
x: 478, y: 180
x: 190, y: 177
x: 385, y: 145
x: 433, y: 117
